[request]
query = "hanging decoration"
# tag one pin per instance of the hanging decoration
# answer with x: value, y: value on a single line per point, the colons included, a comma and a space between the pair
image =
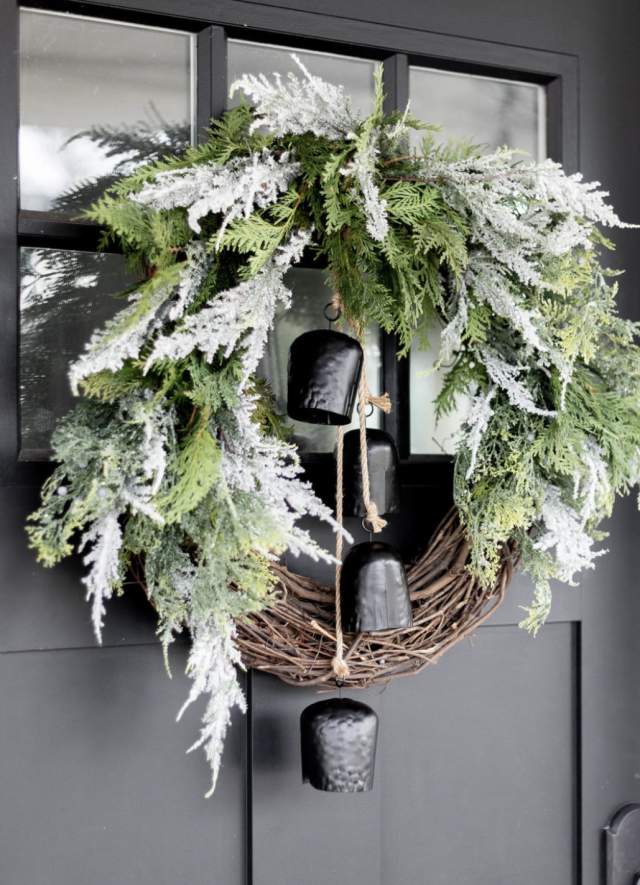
x: 175, y: 465
x: 323, y: 373
x: 338, y: 744
x: 383, y: 464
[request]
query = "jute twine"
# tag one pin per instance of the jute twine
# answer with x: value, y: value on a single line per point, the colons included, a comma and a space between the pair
x: 377, y: 523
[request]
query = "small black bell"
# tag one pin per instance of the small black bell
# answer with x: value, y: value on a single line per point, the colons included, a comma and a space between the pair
x: 338, y: 745
x: 323, y: 374
x: 375, y: 592
x: 384, y: 473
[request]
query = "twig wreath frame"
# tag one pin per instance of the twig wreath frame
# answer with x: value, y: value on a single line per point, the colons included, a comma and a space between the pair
x: 175, y: 463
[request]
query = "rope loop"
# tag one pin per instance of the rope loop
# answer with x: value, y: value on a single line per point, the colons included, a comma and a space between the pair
x: 338, y: 311
x: 339, y: 665
x: 365, y: 397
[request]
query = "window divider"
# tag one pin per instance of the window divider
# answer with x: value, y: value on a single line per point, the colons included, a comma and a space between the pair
x: 49, y: 230
x: 211, y: 86
x: 395, y: 372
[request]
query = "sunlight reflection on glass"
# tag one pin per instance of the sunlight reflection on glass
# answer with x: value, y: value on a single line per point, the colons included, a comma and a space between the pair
x: 64, y: 296
x: 97, y: 99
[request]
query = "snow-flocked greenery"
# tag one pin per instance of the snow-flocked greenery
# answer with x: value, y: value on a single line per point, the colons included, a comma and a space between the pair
x: 174, y: 456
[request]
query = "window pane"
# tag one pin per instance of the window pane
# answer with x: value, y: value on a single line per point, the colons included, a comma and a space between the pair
x: 427, y: 437
x: 310, y: 295
x: 355, y: 74
x: 490, y: 111
x: 97, y: 98
x: 64, y: 297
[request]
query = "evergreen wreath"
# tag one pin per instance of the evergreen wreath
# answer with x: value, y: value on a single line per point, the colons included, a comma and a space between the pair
x: 176, y: 459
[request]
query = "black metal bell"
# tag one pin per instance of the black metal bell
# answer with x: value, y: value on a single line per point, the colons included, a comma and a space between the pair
x: 375, y: 592
x: 384, y: 473
x: 323, y: 374
x: 338, y: 745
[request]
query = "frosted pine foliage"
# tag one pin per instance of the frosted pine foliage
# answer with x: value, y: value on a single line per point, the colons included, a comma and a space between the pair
x: 123, y: 337
x: 104, y: 537
x: 506, y: 376
x: 158, y: 436
x: 242, y: 315
x: 490, y: 285
x: 476, y: 423
x: 295, y: 106
x: 592, y: 486
x: 451, y: 337
x: 269, y: 468
x: 233, y: 190
x: 363, y: 169
x: 513, y: 219
x: 213, y: 659
x: 564, y: 534
x: 291, y: 250
x: 192, y: 277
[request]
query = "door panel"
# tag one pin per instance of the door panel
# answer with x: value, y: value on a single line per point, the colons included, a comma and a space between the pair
x: 475, y: 778
x: 477, y: 757
x: 96, y: 785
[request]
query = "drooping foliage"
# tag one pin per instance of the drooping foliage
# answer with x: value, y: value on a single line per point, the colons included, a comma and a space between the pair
x: 176, y: 455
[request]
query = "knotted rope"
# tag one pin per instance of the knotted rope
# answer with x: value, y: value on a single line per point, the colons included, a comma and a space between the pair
x: 338, y: 663
x: 365, y: 398
x: 377, y: 523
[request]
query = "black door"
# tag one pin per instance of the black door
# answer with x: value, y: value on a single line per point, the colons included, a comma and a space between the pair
x: 501, y: 764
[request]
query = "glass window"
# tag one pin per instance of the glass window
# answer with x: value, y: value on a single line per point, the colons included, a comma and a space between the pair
x: 64, y: 297
x: 491, y: 111
x: 97, y: 98
x: 355, y: 74
x: 494, y: 112
x: 310, y: 294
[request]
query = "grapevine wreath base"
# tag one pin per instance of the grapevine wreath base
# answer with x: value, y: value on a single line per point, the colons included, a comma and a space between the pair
x: 295, y: 639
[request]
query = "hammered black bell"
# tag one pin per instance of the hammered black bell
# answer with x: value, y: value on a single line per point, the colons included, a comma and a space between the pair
x: 323, y: 374
x: 375, y: 592
x: 338, y: 745
x: 384, y: 473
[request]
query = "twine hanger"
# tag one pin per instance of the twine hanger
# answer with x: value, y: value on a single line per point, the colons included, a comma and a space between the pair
x: 377, y: 523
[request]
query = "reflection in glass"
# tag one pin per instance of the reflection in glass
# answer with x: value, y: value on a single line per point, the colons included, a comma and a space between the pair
x: 355, y: 74
x: 97, y: 99
x: 491, y: 111
x: 64, y: 297
x: 310, y: 295
x: 427, y: 437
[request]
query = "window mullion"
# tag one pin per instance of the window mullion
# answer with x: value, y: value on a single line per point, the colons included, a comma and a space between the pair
x: 211, y: 66
x: 396, y: 372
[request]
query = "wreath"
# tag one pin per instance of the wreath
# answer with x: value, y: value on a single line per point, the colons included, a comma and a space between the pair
x: 175, y: 463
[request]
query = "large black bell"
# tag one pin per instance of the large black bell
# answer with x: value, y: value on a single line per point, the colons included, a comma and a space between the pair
x: 323, y: 374
x: 375, y: 592
x: 338, y: 745
x: 384, y: 473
